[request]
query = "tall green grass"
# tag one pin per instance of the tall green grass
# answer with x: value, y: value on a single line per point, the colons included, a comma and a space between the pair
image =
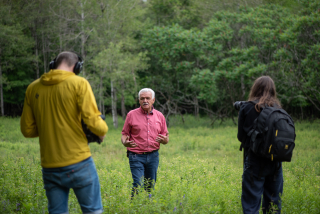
x: 200, y: 171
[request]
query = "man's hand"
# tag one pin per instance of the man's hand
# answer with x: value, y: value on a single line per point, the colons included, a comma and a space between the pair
x: 102, y: 137
x: 162, y: 139
x: 125, y: 141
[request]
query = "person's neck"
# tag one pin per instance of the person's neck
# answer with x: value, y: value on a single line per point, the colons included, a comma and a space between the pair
x: 64, y: 68
x: 148, y: 110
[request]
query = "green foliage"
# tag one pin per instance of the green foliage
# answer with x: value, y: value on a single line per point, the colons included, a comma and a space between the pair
x: 293, y: 5
x: 219, y: 63
x: 118, y: 65
x: 204, y: 80
x: 14, y: 47
x: 199, y: 56
x: 199, y: 172
x: 170, y: 12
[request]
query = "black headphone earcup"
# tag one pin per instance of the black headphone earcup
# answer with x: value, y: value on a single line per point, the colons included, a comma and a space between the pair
x: 77, y: 68
x: 52, y: 65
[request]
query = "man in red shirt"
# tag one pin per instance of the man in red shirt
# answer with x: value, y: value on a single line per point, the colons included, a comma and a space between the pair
x: 144, y: 129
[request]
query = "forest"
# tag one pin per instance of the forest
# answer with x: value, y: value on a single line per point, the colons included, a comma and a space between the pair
x: 199, y: 56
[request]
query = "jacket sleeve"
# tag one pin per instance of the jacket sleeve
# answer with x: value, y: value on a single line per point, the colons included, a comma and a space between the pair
x: 247, y: 115
x: 89, y: 110
x: 241, y: 134
x: 28, y: 124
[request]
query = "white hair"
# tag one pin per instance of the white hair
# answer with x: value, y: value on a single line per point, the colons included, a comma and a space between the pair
x: 147, y: 90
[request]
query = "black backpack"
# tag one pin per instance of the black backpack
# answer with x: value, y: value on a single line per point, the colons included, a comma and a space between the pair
x: 273, y: 135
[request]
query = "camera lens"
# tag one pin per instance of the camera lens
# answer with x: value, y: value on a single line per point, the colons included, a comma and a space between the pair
x: 237, y: 105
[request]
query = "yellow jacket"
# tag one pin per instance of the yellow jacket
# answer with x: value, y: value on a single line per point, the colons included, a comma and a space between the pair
x: 53, y: 108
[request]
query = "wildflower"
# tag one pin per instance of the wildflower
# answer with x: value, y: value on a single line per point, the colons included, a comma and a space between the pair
x: 180, y: 203
x: 174, y: 209
x: 150, y: 195
x: 184, y: 195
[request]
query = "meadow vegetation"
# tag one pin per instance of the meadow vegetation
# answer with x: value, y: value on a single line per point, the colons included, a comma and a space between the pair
x: 200, y: 171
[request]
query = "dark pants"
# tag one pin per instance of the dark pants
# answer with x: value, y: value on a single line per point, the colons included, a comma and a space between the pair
x: 144, y: 169
x: 261, y: 177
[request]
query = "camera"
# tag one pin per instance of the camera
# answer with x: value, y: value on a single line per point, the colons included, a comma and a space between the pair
x: 238, y: 104
x: 90, y: 136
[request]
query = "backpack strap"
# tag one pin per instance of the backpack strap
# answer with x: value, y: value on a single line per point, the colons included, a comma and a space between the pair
x: 252, y: 134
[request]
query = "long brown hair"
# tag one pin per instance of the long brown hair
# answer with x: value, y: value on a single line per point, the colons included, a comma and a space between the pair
x: 264, y: 90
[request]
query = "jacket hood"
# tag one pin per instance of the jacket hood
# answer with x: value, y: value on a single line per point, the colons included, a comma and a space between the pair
x: 55, y: 76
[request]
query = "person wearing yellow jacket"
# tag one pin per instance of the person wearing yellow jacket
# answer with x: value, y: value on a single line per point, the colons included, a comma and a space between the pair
x: 53, y: 108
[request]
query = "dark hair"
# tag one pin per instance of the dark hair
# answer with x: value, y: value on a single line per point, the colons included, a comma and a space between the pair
x: 264, y: 90
x: 68, y: 57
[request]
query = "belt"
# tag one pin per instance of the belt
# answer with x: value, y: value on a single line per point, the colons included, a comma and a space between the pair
x: 144, y: 153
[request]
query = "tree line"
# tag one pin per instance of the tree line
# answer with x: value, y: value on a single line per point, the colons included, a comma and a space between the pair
x: 199, y: 57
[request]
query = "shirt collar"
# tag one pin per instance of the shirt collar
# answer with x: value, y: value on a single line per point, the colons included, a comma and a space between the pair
x: 145, y: 112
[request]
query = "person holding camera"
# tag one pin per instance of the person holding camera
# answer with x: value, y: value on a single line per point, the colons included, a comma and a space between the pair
x: 261, y: 176
x: 53, y: 108
x: 144, y: 130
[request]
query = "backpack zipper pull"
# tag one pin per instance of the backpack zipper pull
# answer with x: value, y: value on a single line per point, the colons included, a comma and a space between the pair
x: 276, y: 132
x: 270, y: 148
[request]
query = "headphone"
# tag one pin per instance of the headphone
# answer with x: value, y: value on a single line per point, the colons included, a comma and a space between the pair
x: 77, y: 67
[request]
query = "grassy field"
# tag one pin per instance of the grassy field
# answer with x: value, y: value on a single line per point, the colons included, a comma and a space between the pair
x: 200, y: 171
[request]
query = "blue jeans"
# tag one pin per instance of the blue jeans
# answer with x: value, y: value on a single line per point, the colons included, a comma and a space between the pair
x: 82, y: 177
x: 261, y: 177
x: 144, y: 169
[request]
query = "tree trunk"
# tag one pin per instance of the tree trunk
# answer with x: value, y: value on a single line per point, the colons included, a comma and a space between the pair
x: 60, y: 36
x: 103, y: 110
x: 37, y: 53
x: 123, y: 107
x: 44, y: 55
x: 1, y: 89
x: 37, y: 62
x: 243, y: 87
x: 135, y: 86
x: 100, y: 96
x: 196, y: 106
x: 114, y: 106
x: 83, y: 38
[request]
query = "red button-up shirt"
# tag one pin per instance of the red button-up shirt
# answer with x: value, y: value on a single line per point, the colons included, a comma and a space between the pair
x: 143, y: 128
